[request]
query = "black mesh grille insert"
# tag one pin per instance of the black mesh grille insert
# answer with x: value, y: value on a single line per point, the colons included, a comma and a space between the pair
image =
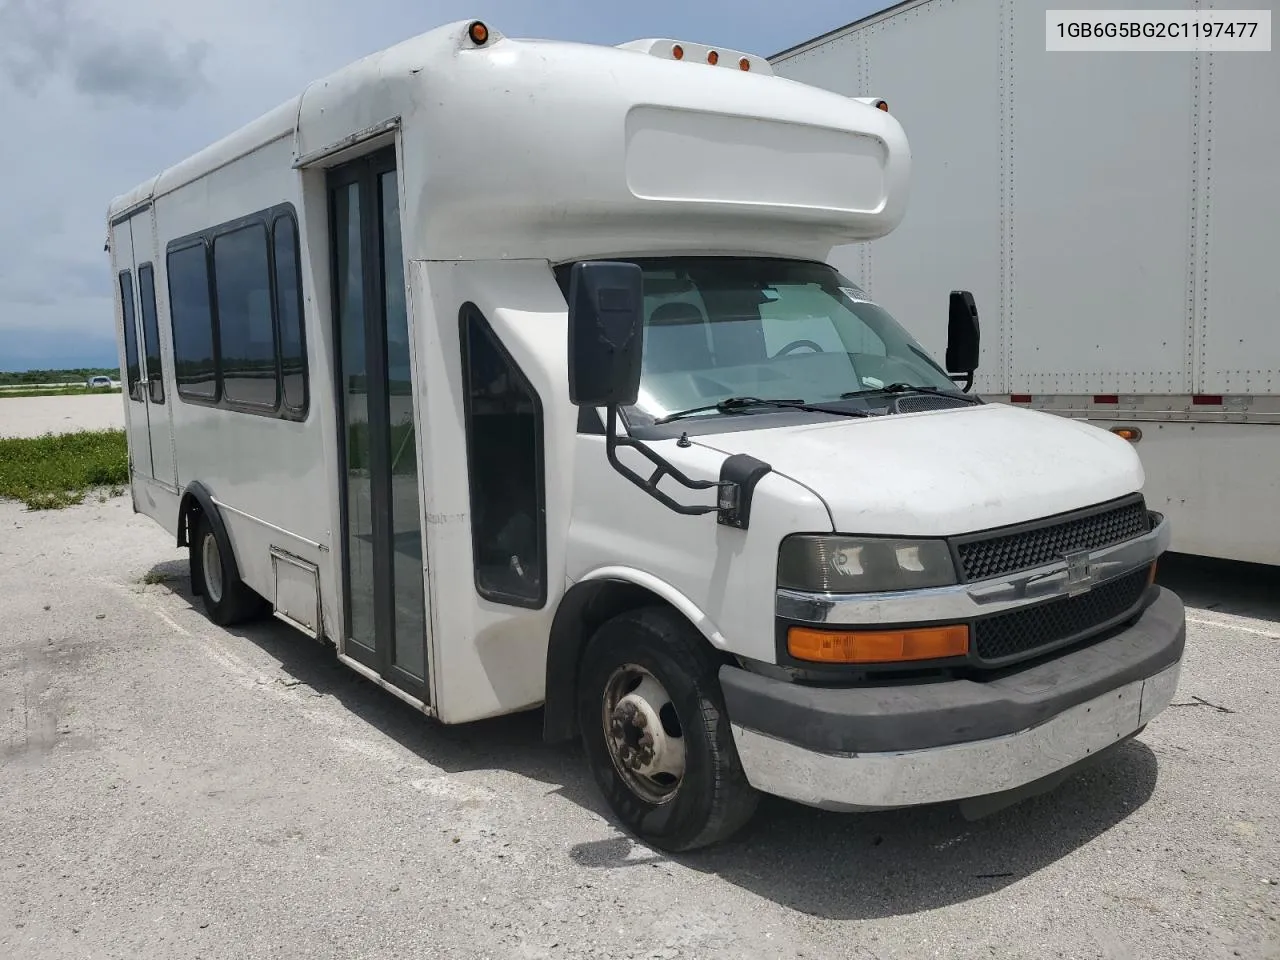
x: 926, y: 402
x: 1024, y: 631
x: 1000, y: 555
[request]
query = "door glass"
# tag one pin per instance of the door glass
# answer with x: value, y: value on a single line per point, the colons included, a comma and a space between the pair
x: 151, y: 331
x: 410, y: 625
x: 133, y: 372
x: 359, y: 477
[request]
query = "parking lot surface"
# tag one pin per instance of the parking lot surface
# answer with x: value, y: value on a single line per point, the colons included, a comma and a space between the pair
x: 36, y: 416
x: 171, y: 789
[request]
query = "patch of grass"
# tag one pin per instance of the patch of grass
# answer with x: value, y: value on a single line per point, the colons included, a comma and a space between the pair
x: 51, y: 472
x: 155, y: 576
x: 60, y: 392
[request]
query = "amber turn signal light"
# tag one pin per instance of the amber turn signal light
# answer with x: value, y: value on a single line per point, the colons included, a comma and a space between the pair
x: 1132, y: 434
x: 478, y: 33
x: 877, y: 646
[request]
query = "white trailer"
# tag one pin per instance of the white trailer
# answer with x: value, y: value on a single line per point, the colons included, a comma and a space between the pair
x: 1117, y: 217
x: 396, y: 355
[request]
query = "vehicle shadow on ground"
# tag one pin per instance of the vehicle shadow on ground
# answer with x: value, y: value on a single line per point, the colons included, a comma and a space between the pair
x: 1223, y: 586
x: 837, y: 866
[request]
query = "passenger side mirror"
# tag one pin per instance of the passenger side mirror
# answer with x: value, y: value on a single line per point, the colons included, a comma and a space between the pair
x: 962, y: 337
x: 606, y: 330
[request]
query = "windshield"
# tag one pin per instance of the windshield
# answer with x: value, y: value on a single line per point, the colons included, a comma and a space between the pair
x: 719, y: 328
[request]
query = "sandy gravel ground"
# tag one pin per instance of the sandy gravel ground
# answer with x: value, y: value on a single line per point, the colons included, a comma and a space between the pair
x: 170, y: 789
x: 36, y: 416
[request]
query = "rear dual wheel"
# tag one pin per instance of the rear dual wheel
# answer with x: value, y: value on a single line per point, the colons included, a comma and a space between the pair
x: 656, y: 732
x: 227, y: 599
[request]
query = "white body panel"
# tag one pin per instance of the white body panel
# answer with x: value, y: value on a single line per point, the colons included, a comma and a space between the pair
x: 947, y: 472
x: 1114, y: 217
x: 1218, y: 483
x: 269, y: 475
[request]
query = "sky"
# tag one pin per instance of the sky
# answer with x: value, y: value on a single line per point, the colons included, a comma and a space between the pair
x: 97, y: 96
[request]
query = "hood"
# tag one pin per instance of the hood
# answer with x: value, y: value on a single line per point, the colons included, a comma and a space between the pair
x: 945, y: 472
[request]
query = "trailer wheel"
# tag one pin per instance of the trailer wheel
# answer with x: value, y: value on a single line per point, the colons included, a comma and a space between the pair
x: 227, y: 599
x: 656, y: 732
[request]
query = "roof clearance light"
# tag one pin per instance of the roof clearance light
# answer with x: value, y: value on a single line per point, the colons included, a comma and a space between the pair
x: 678, y: 52
x: 744, y: 64
x: 882, y: 105
x: 713, y: 58
x: 478, y: 33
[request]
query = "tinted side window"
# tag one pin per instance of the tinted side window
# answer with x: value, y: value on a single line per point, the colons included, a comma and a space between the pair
x: 193, y: 359
x: 504, y: 452
x: 246, y: 338
x: 132, y: 372
x: 293, y: 348
x: 151, y: 331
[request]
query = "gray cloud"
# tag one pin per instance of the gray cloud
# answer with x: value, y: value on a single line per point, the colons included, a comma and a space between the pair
x: 138, y: 68
x: 34, y: 38
x: 41, y: 39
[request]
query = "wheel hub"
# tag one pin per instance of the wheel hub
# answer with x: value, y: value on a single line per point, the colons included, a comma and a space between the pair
x: 211, y: 563
x: 649, y: 754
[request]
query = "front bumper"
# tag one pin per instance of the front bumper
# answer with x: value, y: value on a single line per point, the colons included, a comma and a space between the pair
x: 882, y: 747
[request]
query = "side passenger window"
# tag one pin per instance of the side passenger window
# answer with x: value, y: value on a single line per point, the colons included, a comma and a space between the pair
x: 293, y: 348
x: 505, y: 460
x: 246, y: 336
x: 194, y: 366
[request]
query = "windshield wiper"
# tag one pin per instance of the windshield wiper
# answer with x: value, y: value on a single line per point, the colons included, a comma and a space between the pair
x: 732, y: 404
x: 908, y: 388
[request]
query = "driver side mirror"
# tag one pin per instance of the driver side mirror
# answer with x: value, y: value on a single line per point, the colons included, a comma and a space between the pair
x: 963, y: 336
x: 606, y: 331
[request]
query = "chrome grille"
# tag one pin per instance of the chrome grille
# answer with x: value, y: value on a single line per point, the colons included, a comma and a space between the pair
x: 998, y: 555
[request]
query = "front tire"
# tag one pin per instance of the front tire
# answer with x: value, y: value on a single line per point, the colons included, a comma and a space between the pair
x: 657, y: 734
x: 227, y: 599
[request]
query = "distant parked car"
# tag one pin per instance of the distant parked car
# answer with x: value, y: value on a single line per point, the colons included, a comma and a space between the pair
x: 94, y: 383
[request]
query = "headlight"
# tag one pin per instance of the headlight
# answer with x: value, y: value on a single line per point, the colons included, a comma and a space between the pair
x: 829, y: 564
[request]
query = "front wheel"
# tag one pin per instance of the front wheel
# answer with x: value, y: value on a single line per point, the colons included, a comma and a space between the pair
x: 656, y: 732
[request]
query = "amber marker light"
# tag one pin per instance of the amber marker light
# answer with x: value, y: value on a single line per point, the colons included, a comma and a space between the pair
x: 677, y: 52
x: 877, y: 646
x: 1132, y: 434
x: 744, y: 64
x: 882, y: 105
x: 478, y: 33
x: 713, y: 58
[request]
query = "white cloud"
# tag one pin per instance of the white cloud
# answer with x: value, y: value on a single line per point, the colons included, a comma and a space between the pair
x: 98, y: 95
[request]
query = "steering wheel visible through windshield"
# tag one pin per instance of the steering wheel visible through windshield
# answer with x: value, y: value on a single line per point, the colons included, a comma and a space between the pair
x: 719, y: 327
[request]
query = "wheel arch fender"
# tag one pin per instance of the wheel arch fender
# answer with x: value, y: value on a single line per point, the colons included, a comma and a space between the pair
x: 197, y: 501
x: 596, y: 598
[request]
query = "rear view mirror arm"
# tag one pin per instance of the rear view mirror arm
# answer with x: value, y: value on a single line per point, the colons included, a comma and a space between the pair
x: 664, y: 468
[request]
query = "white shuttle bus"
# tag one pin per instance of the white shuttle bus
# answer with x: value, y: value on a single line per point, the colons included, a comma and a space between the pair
x: 516, y: 371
